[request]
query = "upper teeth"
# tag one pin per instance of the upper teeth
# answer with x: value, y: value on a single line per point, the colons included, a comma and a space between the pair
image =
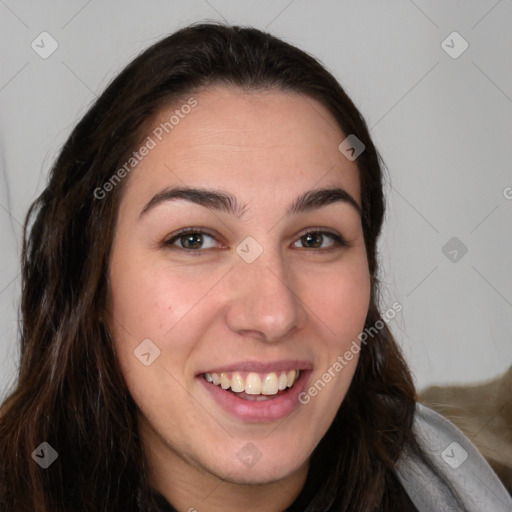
x: 254, y: 383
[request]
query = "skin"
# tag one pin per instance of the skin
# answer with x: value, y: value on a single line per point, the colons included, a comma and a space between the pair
x: 203, y: 311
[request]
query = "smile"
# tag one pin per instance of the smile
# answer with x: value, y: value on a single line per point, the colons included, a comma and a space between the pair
x: 255, y: 391
x: 252, y: 385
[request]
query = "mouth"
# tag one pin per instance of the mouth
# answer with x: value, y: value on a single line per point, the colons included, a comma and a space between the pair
x: 254, y: 386
x: 256, y: 392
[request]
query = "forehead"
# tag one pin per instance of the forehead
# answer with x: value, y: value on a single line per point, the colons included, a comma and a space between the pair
x: 275, y: 141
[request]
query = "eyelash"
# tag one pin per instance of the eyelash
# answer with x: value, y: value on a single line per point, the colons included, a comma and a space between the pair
x: 339, y: 241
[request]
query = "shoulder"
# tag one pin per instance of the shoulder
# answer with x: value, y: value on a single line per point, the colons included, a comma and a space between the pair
x: 451, y: 464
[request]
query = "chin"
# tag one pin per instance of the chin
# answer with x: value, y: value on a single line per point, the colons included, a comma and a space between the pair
x: 262, y: 475
x: 250, y: 467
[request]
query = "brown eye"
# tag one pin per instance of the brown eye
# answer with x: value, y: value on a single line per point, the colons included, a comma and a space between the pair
x: 317, y: 240
x: 312, y: 240
x: 191, y: 240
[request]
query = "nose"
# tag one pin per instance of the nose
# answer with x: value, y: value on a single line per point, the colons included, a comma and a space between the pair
x: 265, y: 299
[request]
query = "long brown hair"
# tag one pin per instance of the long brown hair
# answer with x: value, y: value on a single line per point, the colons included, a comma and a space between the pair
x: 70, y: 391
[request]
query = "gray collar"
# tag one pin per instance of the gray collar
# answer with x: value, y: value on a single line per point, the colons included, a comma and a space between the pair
x: 458, y: 465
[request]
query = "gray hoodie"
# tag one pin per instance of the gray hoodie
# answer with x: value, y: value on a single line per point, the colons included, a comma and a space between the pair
x: 458, y: 465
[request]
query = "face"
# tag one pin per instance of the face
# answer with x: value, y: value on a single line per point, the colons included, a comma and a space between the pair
x: 220, y: 330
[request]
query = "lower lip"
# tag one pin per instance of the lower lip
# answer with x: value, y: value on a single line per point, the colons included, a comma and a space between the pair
x: 258, y: 411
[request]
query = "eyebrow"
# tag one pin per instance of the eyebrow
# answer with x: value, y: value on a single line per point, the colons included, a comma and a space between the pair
x: 223, y: 201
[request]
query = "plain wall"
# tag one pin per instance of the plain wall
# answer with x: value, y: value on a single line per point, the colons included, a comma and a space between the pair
x: 441, y: 124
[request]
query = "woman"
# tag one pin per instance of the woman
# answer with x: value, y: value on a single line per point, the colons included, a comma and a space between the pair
x: 200, y: 327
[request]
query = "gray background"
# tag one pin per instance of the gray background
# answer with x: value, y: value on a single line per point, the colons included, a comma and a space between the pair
x: 442, y: 125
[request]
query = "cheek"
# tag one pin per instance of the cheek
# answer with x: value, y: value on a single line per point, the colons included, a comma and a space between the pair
x: 341, y: 299
x: 153, y: 302
x: 150, y: 298
x: 151, y: 310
